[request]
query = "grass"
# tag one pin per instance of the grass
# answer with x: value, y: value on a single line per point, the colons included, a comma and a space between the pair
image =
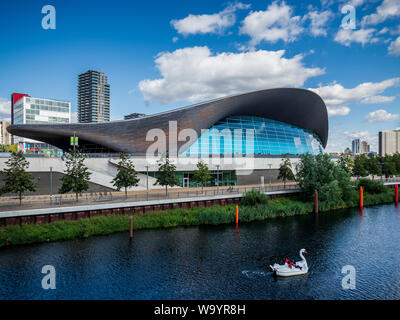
x: 103, y: 225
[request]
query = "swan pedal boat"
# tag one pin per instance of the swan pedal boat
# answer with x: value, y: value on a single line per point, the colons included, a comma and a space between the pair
x: 283, y: 270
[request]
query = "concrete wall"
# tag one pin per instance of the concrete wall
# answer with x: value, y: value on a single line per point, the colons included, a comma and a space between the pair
x: 42, y: 181
x: 270, y: 176
x: 103, y: 170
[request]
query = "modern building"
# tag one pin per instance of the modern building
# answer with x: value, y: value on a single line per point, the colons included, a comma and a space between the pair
x: 284, y: 121
x: 134, y: 116
x: 389, y: 142
x: 365, y: 147
x: 28, y: 110
x: 93, y: 97
x: 356, y: 146
x: 256, y: 127
x: 14, y: 98
x: 5, y: 137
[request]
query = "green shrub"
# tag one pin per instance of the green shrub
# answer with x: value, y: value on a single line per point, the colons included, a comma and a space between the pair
x: 254, y: 197
x: 216, y: 215
x: 330, y: 192
x: 102, y: 225
x: 374, y: 199
x: 371, y: 186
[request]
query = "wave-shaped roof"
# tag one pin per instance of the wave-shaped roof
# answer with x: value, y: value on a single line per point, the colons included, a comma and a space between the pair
x: 299, y: 107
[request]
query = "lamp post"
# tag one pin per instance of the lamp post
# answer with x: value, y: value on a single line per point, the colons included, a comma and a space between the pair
x: 217, y: 177
x: 74, y: 142
x: 269, y: 167
x: 51, y: 184
x: 147, y: 182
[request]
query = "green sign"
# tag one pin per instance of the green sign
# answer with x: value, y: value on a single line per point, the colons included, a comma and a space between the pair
x: 74, y: 143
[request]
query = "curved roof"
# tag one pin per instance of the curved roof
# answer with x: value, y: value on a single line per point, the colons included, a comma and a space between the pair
x: 299, y: 107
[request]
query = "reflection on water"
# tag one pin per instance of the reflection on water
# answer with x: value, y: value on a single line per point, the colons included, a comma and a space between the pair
x: 218, y: 262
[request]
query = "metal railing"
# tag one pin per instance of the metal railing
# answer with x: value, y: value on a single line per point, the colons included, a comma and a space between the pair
x: 12, y: 203
x: 390, y: 180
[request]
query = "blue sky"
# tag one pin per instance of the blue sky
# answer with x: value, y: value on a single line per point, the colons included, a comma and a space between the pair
x: 159, y: 55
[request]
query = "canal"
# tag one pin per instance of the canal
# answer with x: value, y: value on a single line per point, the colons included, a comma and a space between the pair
x: 218, y: 262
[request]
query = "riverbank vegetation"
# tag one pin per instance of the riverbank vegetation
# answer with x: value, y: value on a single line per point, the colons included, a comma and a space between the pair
x: 103, y: 225
x: 333, y: 182
x: 362, y: 165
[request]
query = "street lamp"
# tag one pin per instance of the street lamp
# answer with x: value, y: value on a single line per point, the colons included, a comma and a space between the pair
x: 51, y: 184
x: 217, y: 177
x: 147, y: 182
x: 269, y: 167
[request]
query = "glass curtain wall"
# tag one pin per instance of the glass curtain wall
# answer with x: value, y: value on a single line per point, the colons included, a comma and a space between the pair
x: 256, y: 136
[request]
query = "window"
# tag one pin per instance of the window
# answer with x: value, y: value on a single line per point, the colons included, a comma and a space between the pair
x: 257, y: 135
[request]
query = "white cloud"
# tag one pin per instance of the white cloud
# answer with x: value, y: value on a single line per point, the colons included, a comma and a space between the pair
x: 338, y: 111
x: 335, y: 94
x: 394, y: 47
x: 327, y: 3
x: 364, y: 135
x: 372, y: 139
x: 381, y: 116
x: 275, y: 23
x: 194, y: 74
x: 5, y: 109
x: 383, y: 31
x: 355, y: 3
x: 363, y: 36
x: 378, y: 99
x: 395, y: 31
x: 388, y: 9
x: 175, y: 39
x: 318, y: 22
x: 208, y: 23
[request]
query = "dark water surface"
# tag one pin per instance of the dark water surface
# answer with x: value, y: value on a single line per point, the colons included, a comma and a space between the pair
x: 218, y: 262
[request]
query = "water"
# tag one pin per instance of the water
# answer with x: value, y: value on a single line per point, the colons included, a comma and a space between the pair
x: 218, y: 262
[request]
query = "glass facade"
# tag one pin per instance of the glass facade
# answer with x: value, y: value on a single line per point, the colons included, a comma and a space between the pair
x: 256, y: 136
x: 29, y: 110
x: 220, y: 177
x: 46, y: 111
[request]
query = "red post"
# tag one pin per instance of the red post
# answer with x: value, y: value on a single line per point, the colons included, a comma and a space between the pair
x: 361, y: 197
x: 237, y: 214
x: 316, y: 201
x: 130, y: 227
x: 396, y: 194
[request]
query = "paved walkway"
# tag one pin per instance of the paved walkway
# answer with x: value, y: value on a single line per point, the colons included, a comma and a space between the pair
x: 37, y: 202
x: 119, y: 205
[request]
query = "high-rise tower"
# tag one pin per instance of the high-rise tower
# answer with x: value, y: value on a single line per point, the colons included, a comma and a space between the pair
x: 93, y: 97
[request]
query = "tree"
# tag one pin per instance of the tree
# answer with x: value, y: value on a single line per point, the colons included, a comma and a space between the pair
x: 285, y: 171
x: 373, y: 167
x: 359, y: 166
x: 166, y: 173
x: 126, y: 175
x: 346, y: 163
x: 202, y: 175
x: 388, y: 167
x: 17, y: 179
x: 12, y: 148
x: 76, y: 176
x: 396, y: 161
x: 321, y: 173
